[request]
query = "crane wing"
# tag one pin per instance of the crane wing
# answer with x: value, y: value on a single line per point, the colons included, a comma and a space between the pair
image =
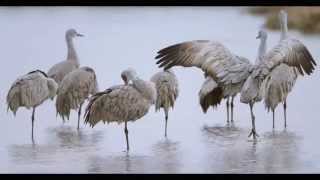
x: 235, y: 73
x: 74, y: 89
x: 293, y: 53
x: 278, y: 84
x: 118, y: 103
x: 209, y: 56
x: 210, y: 94
x: 28, y: 90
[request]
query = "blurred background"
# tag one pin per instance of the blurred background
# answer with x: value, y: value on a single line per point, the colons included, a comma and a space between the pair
x: 302, y: 18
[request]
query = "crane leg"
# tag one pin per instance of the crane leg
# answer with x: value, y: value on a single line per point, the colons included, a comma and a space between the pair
x: 227, y: 103
x: 232, y: 109
x: 166, y: 119
x: 32, y: 122
x: 285, y: 113
x: 253, y: 131
x: 79, y: 113
x: 165, y: 133
x: 272, y: 118
x: 126, y: 133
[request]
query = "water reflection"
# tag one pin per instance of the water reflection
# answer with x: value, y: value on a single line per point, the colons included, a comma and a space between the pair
x: 223, y: 135
x: 164, y: 159
x: 123, y: 163
x: 280, y: 152
x: 71, y: 138
x: 167, y: 156
x: 62, y: 140
x: 274, y: 152
x: 32, y: 153
x: 225, y: 147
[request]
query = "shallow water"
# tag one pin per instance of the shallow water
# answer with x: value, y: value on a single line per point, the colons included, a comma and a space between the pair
x: 121, y: 37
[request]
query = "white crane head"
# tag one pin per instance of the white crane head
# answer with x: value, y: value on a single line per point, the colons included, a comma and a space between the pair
x: 283, y: 15
x: 128, y: 74
x: 71, y: 33
x: 262, y: 34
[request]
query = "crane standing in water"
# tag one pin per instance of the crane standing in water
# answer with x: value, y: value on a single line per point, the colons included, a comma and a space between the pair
x: 30, y: 91
x: 230, y: 70
x: 122, y: 103
x: 74, y: 89
x: 288, y: 51
x: 167, y: 87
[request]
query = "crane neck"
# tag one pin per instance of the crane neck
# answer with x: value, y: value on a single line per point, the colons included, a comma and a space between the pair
x: 72, y: 54
x: 146, y: 89
x: 262, y: 49
x: 284, y: 28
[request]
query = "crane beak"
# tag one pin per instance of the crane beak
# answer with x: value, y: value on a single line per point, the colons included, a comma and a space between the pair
x: 205, y: 75
x: 124, y: 78
x: 80, y: 35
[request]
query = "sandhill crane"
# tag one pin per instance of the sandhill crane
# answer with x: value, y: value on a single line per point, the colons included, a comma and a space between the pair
x: 31, y: 90
x: 246, y: 90
x: 212, y: 92
x: 59, y: 70
x: 277, y: 85
x: 280, y: 81
x: 122, y: 103
x: 227, y: 71
x: 167, y: 87
x: 74, y: 89
x: 288, y: 51
x: 233, y: 71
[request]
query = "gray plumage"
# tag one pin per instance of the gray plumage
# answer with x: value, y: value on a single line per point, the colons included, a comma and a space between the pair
x: 30, y: 91
x: 280, y: 81
x: 167, y: 87
x: 277, y: 85
x: 59, y: 70
x: 228, y: 70
x: 288, y: 51
x: 251, y: 91
x: 210, y: 94
x: 122, y: 103
x: 74, y: 89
